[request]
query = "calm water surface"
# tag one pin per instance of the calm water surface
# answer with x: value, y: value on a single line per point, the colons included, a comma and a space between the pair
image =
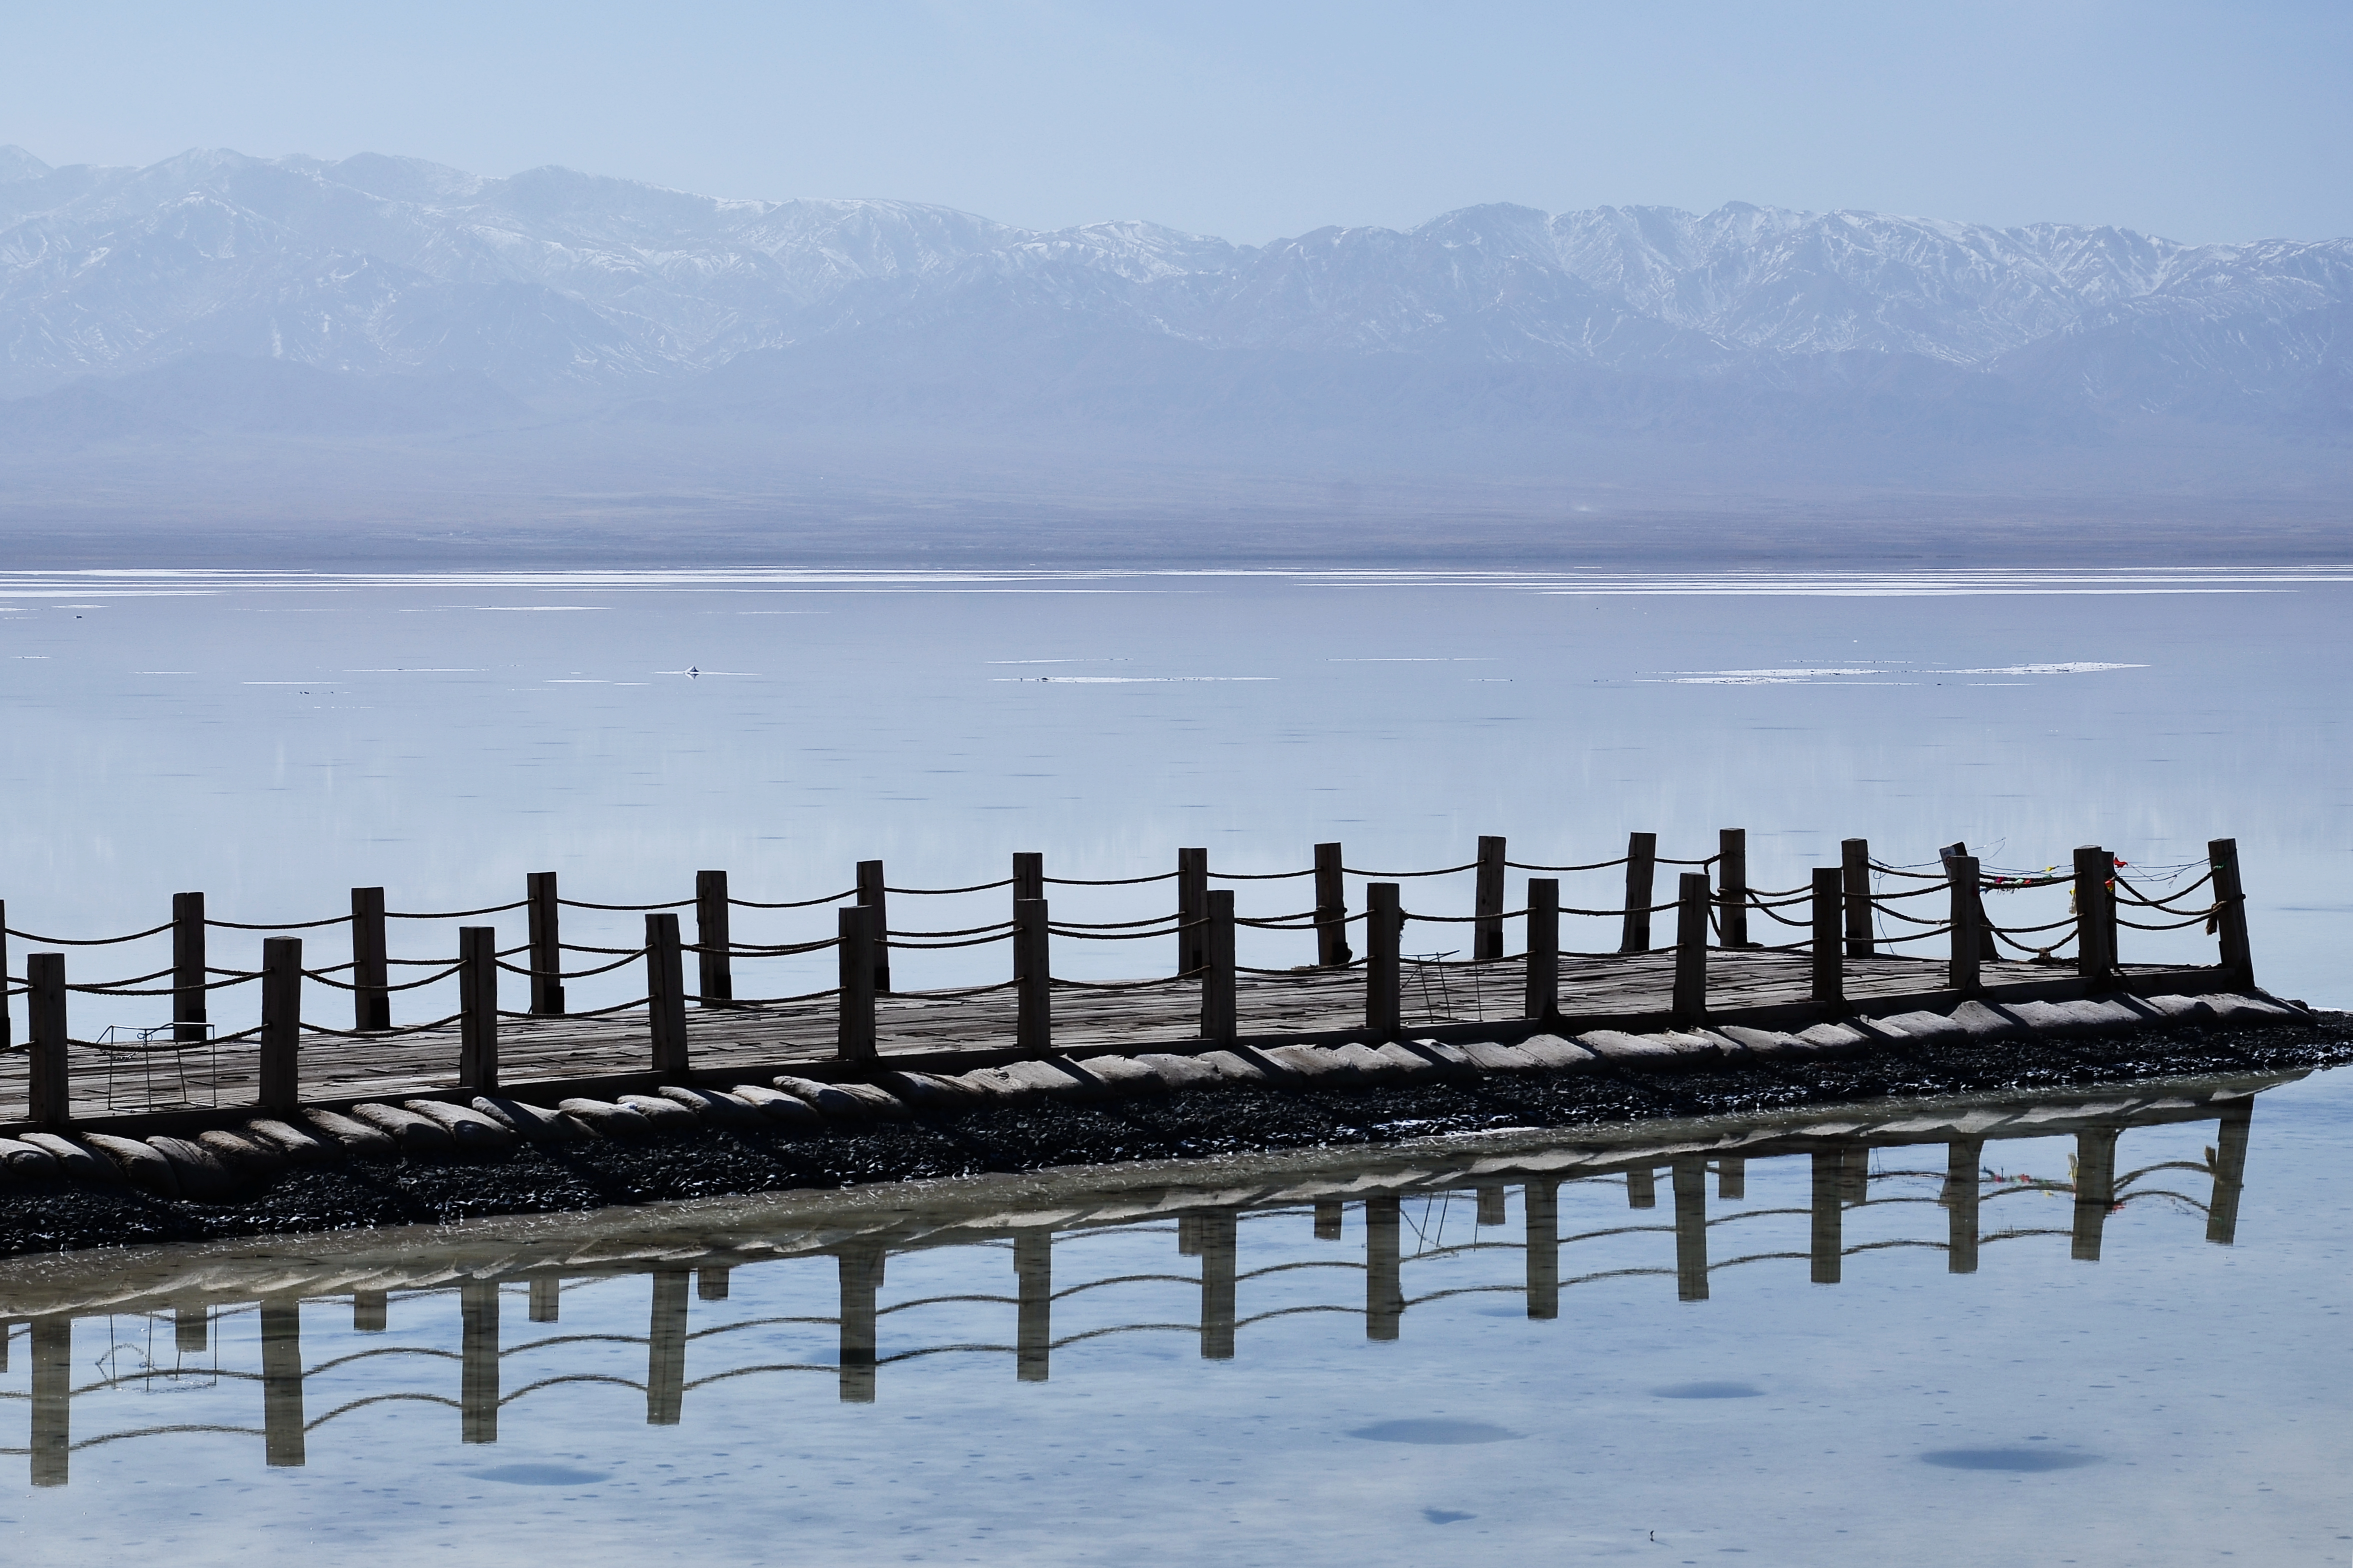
x: 1236, y: 1373
x: 275, y: 741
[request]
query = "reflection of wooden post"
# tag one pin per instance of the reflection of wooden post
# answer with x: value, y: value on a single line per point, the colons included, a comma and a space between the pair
x: 1487, y: 900
x: 2231, y: 921
x: 1854, y: 876
x: 1330, y: 908
x: 1188, y: 1235
x: 371, y: 1311
x: 1854, y: 1176
x: 1033, y: 1274
x: 666, y: 1349
x: 1691, y: 1228
x: 1641, y: 871
x: 52, y: 1398
x: 546, y: 1299
x: 1330, y: 1212
x: 1217, y: 1238
x: 1732, y: 887
x: 1732, y: 1178
x: 1540, y: 1210
x: 1544, y: 950
x: 2095, y: 1189
x: 711, y: 1282
x: 2230, y: 1172
x: 1641, y: 1188
x: 1963, y: 1156
x: 1492, y: 1196
x: 281, y: 1383
x: 188, y: 1329
x: 1830, y: 961
x: 478, y: 1361
x: 1829, y: 1166
x: 1384, y: 1282
x: 860, y: 1268
x: 1192, y: 905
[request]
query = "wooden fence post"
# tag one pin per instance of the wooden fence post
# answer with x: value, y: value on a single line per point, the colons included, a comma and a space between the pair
x: 1968, y: 923
x: 188, y: 1012
x: 666, y: 992
x: 1854, y: 866
x: 280, y: 1085
x: 545, y: 912
x: 873, y: 895
x: 478, y: 1004
x: 1192, y: 908
x: 45, y: 1037
x: 1384, y: 971
x: 371, y: 971
x: 854, y: 1041
x: 1544, y: 949
x: 1487, y: 905
x: 714, y: 969
x: 2231, y: 919
x: 1218, y: 1024
x: 8, y: 1035
x: 2095, y: 931
x: 1641, y: 872
x: 1330, y: 908
x: 1829, y: 966
x: 1029, y: 876
x: 1732, y: 887
x: 1034, y: 1020
x: 1691, y: 946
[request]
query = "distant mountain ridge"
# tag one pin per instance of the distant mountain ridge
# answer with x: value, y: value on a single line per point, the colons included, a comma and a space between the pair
x: 605, y: 292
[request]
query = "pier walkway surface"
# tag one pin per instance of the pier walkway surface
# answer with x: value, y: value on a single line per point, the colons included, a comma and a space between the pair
x: 1836, y: 944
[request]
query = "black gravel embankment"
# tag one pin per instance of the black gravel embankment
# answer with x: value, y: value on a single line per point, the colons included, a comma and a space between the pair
x: 55, y: 1215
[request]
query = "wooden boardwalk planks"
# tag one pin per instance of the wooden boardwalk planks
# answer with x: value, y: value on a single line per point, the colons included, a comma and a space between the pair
x: 1308, y: 1001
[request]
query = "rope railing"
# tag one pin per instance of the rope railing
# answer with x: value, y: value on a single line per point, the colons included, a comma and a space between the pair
x: 1860, y: 917
x: 793, y: 903
x: 281, y: 925
x: 89, y: 941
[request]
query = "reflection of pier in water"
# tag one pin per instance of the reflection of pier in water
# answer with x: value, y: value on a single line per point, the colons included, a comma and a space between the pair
x: 40, y: 1311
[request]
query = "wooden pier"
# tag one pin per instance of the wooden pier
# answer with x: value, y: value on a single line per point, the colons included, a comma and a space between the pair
x: 1841, y: 953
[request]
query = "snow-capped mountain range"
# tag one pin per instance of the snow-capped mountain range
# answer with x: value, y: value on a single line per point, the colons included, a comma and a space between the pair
x: 555, y: 288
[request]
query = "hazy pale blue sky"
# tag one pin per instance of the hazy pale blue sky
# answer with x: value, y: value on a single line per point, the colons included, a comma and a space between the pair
x: 2200, y: 120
